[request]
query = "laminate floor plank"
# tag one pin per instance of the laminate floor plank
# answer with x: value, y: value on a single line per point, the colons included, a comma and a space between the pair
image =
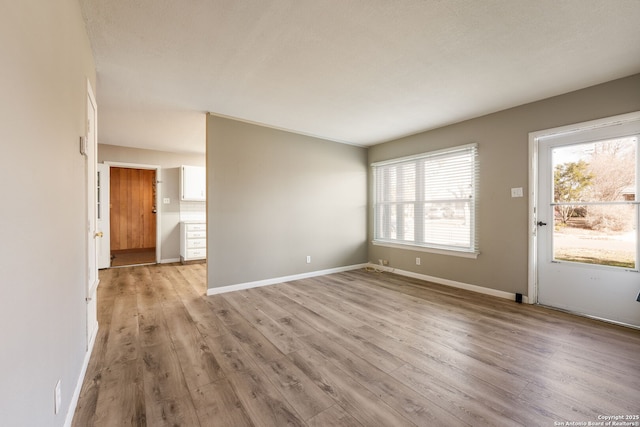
x: 230, y: 353
x: 308, y: 297
x: 279, y: 307
x: 415, y: 311
x: 153, y: 329
x: 123, y: 334
x: 357, y: 400
x: 609, y: 365
x: 195, y: 275
x: 256, y: 344
x: 482, y: 354
x: 266, y: 305
x: 335, y: 416
x: 420, y: 352
x: 167, y: 397
x: 304, y: 315
x: 474, y: 411
x: 299, y: 390
x: 262, y: 401
x: 397, y: 395
x: 271, y: 329
x: 427, y: 326
x: 358, y: 348
x: 122, y: 399
x: 217, y: 404
x: 203, y: 317
x: 199, y: 364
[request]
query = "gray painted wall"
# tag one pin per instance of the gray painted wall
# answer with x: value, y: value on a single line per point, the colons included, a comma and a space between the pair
x: 46, y: 61
x: 503, y: 155
x: 170, y: 186
x: 275, y: 197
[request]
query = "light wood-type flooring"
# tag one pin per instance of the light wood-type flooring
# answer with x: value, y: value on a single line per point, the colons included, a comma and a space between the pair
x: 351, y: 349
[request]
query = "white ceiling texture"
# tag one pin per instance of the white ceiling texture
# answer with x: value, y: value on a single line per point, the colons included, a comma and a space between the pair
x: 354, y: 71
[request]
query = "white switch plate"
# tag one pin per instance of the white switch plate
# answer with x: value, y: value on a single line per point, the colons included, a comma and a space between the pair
x: 417, y: 261
x: 166, y: 200
x: 516, y: 192
x: 308, y: 259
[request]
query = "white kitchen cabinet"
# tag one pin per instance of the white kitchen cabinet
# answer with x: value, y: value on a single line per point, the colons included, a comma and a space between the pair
x: 193, y: 183
x: 193, y: 241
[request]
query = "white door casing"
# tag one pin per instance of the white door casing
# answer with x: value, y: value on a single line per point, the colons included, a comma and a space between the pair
x: 598, y: 291
x: 93, y: 235
x: 103, y: 211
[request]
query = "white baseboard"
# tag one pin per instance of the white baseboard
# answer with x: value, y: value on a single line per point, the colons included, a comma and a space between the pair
x: 474, y: 288
x: 276, y: 280
x: 76, y: 393
x: 169, y: 261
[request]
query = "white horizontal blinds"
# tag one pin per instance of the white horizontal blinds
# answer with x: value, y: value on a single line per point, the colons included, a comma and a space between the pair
x: 428, y: 200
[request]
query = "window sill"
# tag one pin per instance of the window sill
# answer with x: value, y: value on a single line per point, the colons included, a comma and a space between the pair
x: 461, y: 254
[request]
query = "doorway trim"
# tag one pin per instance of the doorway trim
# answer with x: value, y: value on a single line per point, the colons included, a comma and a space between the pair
x: 157, y: 168
x: 534, y: 139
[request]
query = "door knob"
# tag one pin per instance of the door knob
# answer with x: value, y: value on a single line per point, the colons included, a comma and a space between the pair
x: 99, y: 234
x: 540, y: 223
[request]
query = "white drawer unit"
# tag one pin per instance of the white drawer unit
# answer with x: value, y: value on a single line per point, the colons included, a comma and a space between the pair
x: 193, y: 241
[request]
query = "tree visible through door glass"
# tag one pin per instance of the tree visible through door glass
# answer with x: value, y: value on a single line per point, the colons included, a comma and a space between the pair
x: 594, y: 190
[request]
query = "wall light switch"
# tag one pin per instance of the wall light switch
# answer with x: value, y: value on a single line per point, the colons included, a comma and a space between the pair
x: 516, y: 192
x: 166, y: 200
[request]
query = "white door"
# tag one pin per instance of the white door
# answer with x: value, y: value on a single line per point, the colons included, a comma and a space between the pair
x: 103, y: 211
x: 93, y: 235
x: 587, y: 219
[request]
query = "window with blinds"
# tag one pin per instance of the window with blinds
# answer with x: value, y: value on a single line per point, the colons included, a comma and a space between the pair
x: 428, y: 200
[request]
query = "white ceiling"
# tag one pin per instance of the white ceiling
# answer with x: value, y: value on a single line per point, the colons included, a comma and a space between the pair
x: 355, y: 71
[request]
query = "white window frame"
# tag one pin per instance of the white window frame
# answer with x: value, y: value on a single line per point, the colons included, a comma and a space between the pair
x: 470, y: 251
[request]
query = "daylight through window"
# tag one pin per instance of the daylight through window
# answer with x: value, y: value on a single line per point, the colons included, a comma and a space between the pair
x: 428, y: 200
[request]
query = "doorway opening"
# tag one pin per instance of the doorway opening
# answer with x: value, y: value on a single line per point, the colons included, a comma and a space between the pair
x: 133, y: 215
x: 585, y: 219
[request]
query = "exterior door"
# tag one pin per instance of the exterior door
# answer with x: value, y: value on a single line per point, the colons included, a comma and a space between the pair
x: 103, y: 207
x: 93, y: 234
x: 588, y: 221
x: 133, y: 208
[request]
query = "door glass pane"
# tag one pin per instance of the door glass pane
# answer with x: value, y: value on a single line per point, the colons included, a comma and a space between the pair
x: 591, y: 239
x: 594, y: 190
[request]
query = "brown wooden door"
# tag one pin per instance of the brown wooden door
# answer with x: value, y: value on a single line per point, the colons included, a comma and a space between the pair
x: 133, y: 218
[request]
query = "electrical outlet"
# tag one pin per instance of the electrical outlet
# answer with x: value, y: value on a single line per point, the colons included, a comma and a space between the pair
x: 308, y: 259
x: 385, y: 262
x: 57, y: 397
x: 516, y: 192
x: 166, y: 200
x: 418, y: 261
